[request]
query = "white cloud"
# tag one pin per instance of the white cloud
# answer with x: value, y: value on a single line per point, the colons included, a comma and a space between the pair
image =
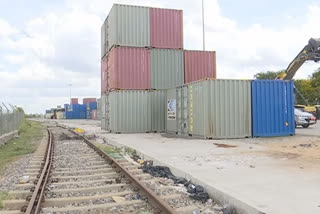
x: 64, y: 46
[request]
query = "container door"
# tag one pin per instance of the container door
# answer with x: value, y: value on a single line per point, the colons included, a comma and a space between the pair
x: 171, y: 111
x: 183, y: 111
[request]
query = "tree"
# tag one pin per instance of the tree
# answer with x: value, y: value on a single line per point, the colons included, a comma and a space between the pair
x: 269, y: 75
x: 306, y: 89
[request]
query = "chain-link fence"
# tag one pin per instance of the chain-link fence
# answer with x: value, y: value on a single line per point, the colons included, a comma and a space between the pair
x: 10, y: 118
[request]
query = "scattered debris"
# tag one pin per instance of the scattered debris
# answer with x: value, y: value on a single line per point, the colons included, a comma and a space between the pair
x: 196, y: 192
x: 305, y: 145
x: 252, y: 166
x: 118, y: 199
x: 222, y: 145
x: 24, y: 179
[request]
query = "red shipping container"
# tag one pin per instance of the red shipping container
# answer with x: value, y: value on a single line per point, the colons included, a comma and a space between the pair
x: 94, y: 114
x: 199, y: 65
x: 104, y: 87
x: 88, y: 100
x: 74, y: 100
x: 166, y: 28
x: 128, y: 68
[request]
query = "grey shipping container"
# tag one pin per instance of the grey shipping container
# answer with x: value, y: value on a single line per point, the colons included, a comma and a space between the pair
x: 167, y: 68
x: 128, y: 111
x: 158, y: 110
x: 99, y: 109
x: 103, y: 40
x: 210, y: 109
x: 128, y: 26
x: 103, y: 112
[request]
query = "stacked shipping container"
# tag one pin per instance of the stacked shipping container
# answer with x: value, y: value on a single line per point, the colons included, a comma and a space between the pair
x: 142, y: 48
x: 131, y: 38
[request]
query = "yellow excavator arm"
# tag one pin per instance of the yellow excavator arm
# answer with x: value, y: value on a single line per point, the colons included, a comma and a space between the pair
x: 311, y: 52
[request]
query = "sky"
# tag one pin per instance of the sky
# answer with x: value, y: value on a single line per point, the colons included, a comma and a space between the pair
x: 47, y: 45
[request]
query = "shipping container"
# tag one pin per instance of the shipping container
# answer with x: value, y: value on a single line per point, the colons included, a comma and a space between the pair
x: 199, y: 65
x: 128, y: 111
x: 99, y: 109
x: 272, y: 108
x: 48, y: 111
x: 128, y: 26
x: 74, y: 101
x: 158, y: 110
x: 104, y: 80
x: 167, y: 68
x: 166, y: 28
x: 103, y: 39
x: 76, y: 111
x: 128, y: 68
x: 103, y: 112
x: 88, y: 100
x: 94, y: 114
x: 210, y: 109
x: 91, y: 106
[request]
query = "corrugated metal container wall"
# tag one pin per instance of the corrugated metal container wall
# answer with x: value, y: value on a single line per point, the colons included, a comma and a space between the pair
x: 210, y: 109
x: 74, y: 101
x: 199, y: 65
x: 94, y: 114
x: 166, y: 28
x: 158, y: 110
x: 99, y: 109
x: 103, y: 40
x: 129, y: 111
x: 104, y: 76
x: 129, y: 68
x: 167, y: 68
x: 272, y: 108
x: 103, y: 112
x: 88, y: 100
x: 128, y: 26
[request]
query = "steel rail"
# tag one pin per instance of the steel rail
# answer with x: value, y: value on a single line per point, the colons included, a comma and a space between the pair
x: 155, y: 200
x: 37, y: 196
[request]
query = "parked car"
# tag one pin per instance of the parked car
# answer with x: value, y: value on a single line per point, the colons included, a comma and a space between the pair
x: 304, y: 119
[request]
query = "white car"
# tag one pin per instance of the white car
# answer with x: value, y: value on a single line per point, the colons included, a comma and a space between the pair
x: 304, y: 119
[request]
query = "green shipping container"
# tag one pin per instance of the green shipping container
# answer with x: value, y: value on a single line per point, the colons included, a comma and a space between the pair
x: 210, y: 109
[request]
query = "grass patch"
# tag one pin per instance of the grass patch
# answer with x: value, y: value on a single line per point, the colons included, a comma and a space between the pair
x: 114, y: 152
x: 3, y: 196
x: 30, y: 133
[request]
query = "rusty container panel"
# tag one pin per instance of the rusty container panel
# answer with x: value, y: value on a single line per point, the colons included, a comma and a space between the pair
x: 166, y: 28
x: 104, y: 82
x: 128, y: 68
x: 128, y: 25
x: 199, y: 65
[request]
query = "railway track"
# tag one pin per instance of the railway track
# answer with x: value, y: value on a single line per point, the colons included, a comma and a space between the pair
x: 69, y: 174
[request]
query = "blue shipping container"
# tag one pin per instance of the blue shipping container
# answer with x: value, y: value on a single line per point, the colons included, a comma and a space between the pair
x: 272, y: 108
x: 66, y: 106
x: 91, y: 106
x: 76, y: 111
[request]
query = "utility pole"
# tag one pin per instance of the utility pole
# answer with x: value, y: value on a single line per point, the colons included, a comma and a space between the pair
x: 203, y: 34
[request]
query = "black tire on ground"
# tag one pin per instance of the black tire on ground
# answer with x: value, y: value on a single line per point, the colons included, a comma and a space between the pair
x: 305, y: 126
